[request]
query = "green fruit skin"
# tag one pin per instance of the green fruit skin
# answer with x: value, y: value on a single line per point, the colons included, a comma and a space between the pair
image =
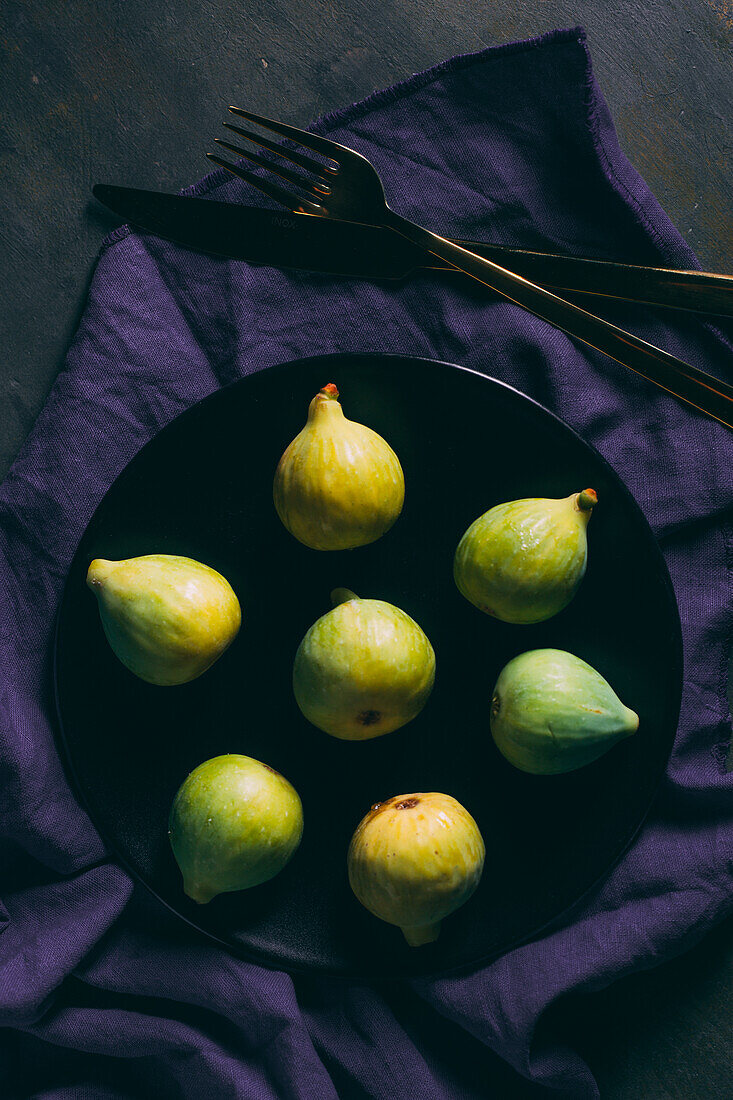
x: 167, y: 618
x: 338, y: 485
x: 415, y: 859
x: 523, y: 561
x: 362, y: 670
x: 551, y: 713
x: 234, y: 823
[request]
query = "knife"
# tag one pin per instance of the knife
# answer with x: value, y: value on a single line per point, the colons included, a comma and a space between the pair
x: 327, y: 245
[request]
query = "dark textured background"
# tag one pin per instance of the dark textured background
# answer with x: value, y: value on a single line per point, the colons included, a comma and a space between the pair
x: 131, y: 92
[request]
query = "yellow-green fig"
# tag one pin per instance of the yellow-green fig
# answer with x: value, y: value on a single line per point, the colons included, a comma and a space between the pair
x: 523, y: 561
x: 167, y: 618
x: 339, y: 484
x: 363, y: 669
x: 551, y: 712
x: 234, y: 823
x: 415, y: 859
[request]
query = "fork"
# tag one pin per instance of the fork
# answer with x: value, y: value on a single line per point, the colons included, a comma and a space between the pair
x: 344, y: 184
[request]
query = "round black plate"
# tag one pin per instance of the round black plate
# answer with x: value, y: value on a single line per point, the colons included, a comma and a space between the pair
x: 203, y: 488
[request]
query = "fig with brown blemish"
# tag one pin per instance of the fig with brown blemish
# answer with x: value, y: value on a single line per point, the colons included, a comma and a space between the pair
x: 363, y: 669
x: 414, y: 859
x: 552, y: 712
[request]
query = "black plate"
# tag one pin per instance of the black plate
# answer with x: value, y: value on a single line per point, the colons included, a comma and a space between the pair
x: 203, y: 488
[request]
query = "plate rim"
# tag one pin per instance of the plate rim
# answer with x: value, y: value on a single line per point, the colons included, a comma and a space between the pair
x: 262, y: 957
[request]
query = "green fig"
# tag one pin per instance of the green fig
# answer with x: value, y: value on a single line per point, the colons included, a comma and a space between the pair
x: 415, y: 859
x: 552, y: 713
x: 522, y: 561
x: 234, y: 823
x: 339, y: 484
x: 167, y: 618
x: 363, y: 669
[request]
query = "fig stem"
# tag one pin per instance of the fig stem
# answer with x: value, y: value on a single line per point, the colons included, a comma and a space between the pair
x: 342, y: 595
x: 633, y: 721
x: 587, y: 500
x: 98, y: 571
x: 325, y: 403
x: 424, y: 933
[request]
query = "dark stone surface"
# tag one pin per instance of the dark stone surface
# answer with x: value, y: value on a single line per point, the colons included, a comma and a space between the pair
x: 132, y: 92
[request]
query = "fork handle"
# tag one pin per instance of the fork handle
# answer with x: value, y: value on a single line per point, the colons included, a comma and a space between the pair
x: 695, y: 387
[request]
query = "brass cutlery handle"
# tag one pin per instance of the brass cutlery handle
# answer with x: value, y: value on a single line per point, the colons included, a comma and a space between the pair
x: 698, y: 291
x: 349, y: 187
x: 695, y: 387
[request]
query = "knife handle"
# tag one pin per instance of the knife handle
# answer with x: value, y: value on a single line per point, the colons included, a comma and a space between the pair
x: 335, y: 247
x: 701, y: 291
x: 691, y: 385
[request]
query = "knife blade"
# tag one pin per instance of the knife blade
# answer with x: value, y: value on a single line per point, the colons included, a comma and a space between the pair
x: 329, y: 246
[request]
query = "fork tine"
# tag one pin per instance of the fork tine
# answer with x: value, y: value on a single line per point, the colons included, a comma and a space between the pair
x: 314, y: 142
x: 311, y: 187
x: 272, y: 190
x: 310, y: 165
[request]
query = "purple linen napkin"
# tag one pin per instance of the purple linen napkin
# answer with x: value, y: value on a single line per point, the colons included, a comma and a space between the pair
x: 102, y: 992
